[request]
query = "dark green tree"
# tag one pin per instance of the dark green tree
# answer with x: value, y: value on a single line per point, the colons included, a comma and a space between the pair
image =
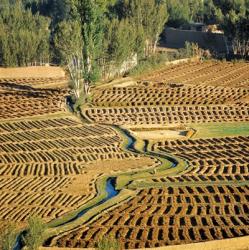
x: 25, y: 37
x: 67, y: 41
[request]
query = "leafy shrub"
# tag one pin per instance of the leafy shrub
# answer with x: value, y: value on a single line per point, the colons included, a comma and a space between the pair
x: 108, y: 243
x: 34, y: 237
x: 149, y: 63
x: 8, y: 236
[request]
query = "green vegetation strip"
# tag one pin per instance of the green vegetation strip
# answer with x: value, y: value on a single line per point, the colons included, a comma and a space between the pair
x: 169, y: 165
x: 216, y: 130
x: 101, y: 194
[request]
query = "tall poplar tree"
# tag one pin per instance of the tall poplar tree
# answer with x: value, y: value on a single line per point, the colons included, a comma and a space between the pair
x: 91, y: 14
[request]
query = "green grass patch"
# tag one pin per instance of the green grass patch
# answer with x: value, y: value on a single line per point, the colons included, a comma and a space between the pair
x: 211, y: 130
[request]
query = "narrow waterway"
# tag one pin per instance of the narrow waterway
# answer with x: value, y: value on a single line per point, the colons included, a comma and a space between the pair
x: 111, y: 193
x: 110, y: 189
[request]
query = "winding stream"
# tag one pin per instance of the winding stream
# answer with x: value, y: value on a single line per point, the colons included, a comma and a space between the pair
x: 111, y: 191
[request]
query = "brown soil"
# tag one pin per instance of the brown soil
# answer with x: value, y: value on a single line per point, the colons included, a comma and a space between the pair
x: 32, y: 72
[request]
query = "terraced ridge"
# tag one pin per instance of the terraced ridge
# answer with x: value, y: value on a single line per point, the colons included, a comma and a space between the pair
x: 223, y: 157
x: 167, y: 115
x: 56, y: 146
x: 19, y: 103
x: 168, y: 95
x: 167, y: 104
x: 42, y: 82
x: 49, y: 159
x: 206, y: 202
x: 203, y: 200
x: 212, y: 73
x: 169, y: 216
x: 51, y: 164
x: 41, y: 196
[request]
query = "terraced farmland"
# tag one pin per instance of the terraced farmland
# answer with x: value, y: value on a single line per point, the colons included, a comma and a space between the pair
x: 169, y: 104
x: 207, y: 202
x: 163, y: 191
x: 49, y: 159
x: 24, y: 103
x: 220, y: 158
x: 169, y: 95
x: 204, y: 194
x: 175, y: 115
x: 48, y: 167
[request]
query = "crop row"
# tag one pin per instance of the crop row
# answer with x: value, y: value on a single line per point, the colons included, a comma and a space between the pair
x: 199, y: 179
x: 47, y: 166
x: 16, y: 104
x: 23, y: 197
x: 168, y: 95
x: 227, y: 157
x: 212, y: 143
x: 168, y: 216
x: 55, y: 147
x: 38, y: 124
x: 169, y: 115
x: 207, y: 73
x: 5, y: 82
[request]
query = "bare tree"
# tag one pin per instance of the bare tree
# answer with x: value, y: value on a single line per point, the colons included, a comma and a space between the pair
x: 75, y: 67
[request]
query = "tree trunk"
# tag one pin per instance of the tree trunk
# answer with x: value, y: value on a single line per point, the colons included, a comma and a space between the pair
x: 155, y: 44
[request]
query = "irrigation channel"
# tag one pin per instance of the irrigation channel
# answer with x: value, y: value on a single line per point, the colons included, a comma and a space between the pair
x: 110, y: 189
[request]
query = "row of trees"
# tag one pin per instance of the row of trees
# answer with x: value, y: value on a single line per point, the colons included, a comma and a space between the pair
x: 108, y: 32
x: 24, y: 36
x: 206, y: 11
x: 53, y: 30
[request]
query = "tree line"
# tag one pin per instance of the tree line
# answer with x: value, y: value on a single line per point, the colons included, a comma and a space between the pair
x: 58, y: 30
x: 52, y: 30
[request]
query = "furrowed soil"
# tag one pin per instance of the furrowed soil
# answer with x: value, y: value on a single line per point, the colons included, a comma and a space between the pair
x: 49, y: 159
x: 209, y: 199
x: 183, y: 189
